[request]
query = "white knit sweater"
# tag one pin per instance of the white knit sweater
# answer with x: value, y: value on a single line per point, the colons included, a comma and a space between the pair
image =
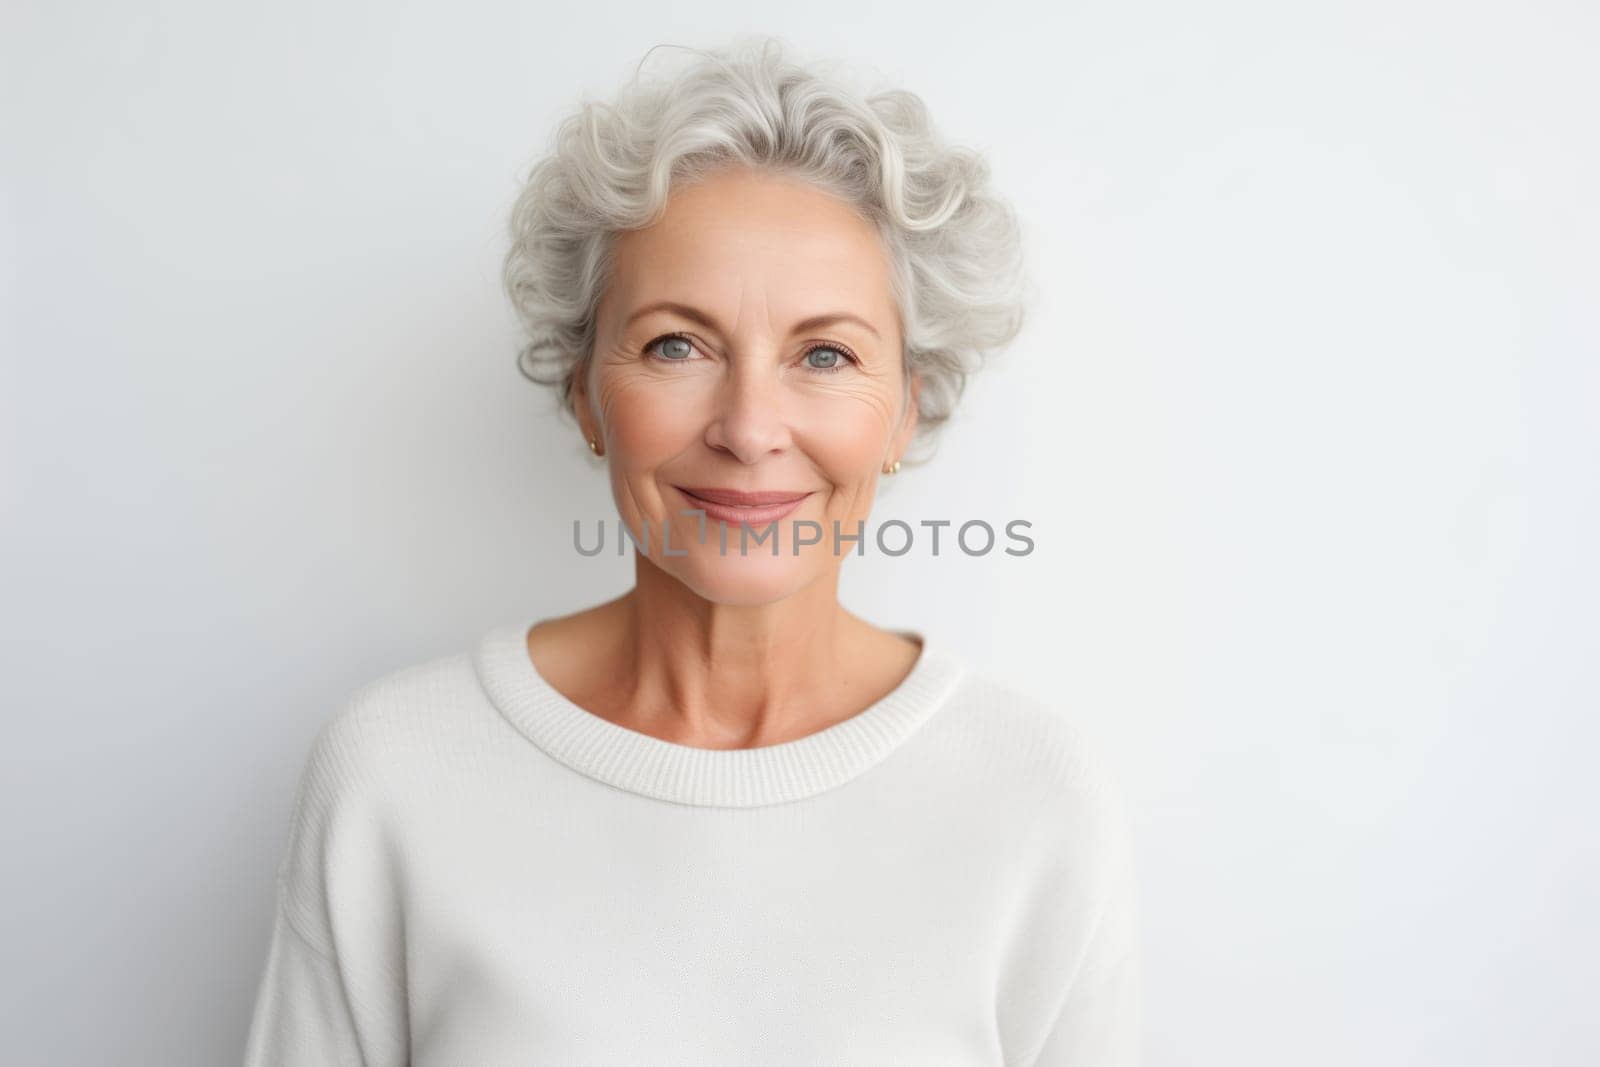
x: 480, y: 873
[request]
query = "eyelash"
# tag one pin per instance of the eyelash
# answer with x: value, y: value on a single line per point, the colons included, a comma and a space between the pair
x: 835, y: 369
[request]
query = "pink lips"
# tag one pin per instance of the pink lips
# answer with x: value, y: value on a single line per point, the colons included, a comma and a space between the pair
x: 736, y: 506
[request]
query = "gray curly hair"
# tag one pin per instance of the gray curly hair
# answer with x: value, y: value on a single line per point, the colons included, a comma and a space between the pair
x: 954, y: 247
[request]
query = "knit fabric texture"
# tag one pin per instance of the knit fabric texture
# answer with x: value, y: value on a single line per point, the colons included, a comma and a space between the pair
x: 481, y: 873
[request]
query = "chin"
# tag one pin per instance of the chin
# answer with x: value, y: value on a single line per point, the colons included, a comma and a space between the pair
x: 747, y: 581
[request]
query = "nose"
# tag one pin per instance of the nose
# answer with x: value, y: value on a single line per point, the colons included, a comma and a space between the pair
x: 748, y: 418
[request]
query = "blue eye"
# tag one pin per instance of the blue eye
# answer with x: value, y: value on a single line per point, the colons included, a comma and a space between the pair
x: 835, y: 358
x: 819, y: 358
x: 675, y: 348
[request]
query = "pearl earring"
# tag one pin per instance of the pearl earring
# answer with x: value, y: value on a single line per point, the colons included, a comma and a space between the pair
x: 892, y: 468
x: 594, y: 447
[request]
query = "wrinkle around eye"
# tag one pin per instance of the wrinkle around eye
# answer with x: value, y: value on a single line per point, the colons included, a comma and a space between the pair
x: 849, y: 362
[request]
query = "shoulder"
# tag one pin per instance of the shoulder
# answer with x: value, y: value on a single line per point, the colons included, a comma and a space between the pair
x: 1064, y: 857
x: 344, y: 820
x: 1062, y: 790
x: 1045, y: 763
x: 1051, y: 746
x: 371, y: 730
x: 367, y: 747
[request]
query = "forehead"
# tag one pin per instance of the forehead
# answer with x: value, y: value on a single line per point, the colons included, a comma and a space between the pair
x: 738, y: 236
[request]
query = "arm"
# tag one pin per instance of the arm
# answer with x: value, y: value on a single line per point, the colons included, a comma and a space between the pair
x: 1097, y: 1019
x: 302, y: 1010
x: 333, y: 991
x: 1098, y: 1023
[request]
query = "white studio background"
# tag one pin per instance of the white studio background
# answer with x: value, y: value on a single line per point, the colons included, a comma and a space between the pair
x: 1305, y: 421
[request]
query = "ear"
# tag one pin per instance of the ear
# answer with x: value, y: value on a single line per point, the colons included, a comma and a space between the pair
x: 908, y: 423
x: 580, y: 403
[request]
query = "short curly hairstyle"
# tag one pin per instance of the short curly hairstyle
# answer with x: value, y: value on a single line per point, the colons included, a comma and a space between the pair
x: 955, y: 248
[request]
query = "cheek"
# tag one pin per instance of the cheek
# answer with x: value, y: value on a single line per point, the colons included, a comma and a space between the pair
x: 842, y: 433
x: 845, y: 436
x: 651, y: 424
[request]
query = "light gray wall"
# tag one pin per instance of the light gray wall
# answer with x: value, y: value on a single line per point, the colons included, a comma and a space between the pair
x: 1305, y: 425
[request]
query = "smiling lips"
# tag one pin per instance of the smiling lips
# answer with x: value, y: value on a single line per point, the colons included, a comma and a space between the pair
x: 736, y: 506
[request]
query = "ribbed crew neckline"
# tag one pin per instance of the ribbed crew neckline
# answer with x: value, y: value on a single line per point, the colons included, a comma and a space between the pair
x: 685, y: 774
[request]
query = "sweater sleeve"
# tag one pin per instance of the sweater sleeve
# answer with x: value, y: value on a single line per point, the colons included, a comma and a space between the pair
x: 1098, y: 1022
x: 302, y: 1012
x: 333, y: 990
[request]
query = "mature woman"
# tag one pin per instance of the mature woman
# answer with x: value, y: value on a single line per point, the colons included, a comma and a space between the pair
x: 720, y: 819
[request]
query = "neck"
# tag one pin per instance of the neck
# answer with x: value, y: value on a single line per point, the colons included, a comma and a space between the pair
x: 735, y: 675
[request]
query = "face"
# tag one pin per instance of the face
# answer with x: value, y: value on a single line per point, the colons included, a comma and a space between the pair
x: 748, y: 342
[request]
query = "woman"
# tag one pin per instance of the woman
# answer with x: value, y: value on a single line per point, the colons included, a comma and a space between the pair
x: 720, y: 819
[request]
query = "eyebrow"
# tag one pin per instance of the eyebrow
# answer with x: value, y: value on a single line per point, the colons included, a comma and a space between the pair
x: 694, y: 314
